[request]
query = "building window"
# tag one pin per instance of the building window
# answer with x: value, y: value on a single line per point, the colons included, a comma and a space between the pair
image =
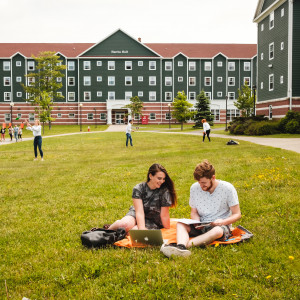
x: 208, y: 95
x: 90, y: 116
x: 71, y: 65
x: 110, y: 65
x: 168, y: 96
x: 102, y: 116
x: 261, y: 56
x: 261, y: 85
x: 219, y: 79
x: 282, y: 45
x: 192, y: 81
x: 246, y: 66
x: 262, y: 27
x: 180, y: 79
x: 247, y: 81
x: 19, y: 94
x: 231, y: 96
x: 207, y: 81
x: 111, y: 80
x: 220, y: 64
x: 6, y: 66
x: 128, y: 80
x: 18, y: 63
x: 31, y: 117
x: 6, y: 81
x: 140, y: 63
x: 192, y: 95
x: 18, y: 79
x: 281, y: 79
x: 231, y: 81
x: 168, y: 81
x: 58, y: 79
x: 86, y: 80
x: 128, y: 95
x: 86, y: 65
x: 30, y: 65
x: 232, y: 113
x: 168, y: 116
x: 7, y: 118
x: 87, y: 96
x: 270, y: 112
x: 111, y: 95
x: 271, y: 20
x: 128, y: 65
x: 216, y: 114
x: 71, y: 96
x: 152, y: 65
x: 282, y: 12
x: 140, y: 93
x: 231, y: 66
x: 207, y: 66
x: 71, y: 81
x: 140, y: 78
x: 152, y: 116
x: 99, y: 63
x: 152, y: 80
x: 72, y: 116
x: 30, y: 81
x: 59, y: 115
x: 137, y: 117
x: 192, y: 66
x: 168, y: 66
x: 99, y: 94
x: 180, y: 63
x: 219, y: 94
x: 271, y: 82
x: 271, y: 51
x: 152, y: 96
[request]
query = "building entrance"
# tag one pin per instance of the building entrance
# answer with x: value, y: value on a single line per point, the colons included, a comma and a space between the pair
x: 120, y: 116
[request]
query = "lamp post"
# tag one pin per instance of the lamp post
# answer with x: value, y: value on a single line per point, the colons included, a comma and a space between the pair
x: 80, y: 107
x: 226, y: 98
x: 95, y: 117
x: 11, y: 111
x: 254, y: 99
x: 169, y: 104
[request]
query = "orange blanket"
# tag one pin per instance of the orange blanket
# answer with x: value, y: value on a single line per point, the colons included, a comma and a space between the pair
x: 238, y: 234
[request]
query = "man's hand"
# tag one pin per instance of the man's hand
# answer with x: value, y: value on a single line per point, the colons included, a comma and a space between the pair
x: 218, y: 222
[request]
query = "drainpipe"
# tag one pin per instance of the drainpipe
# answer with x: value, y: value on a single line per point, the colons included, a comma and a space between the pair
x: 290, y: 54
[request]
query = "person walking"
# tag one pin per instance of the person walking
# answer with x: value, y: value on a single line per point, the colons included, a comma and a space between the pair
x: 128, y: 133
x: 20, y: 134
x: 206, y: 129
x: 10, y: 132
x: 3, y: 134
x: 16, y: 132
x: 37, y: 133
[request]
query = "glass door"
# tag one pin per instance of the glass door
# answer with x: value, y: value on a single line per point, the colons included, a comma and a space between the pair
x: 120, y: 118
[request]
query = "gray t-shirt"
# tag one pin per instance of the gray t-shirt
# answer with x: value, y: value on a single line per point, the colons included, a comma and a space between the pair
x: 153, y: 200
x: 211, y: 207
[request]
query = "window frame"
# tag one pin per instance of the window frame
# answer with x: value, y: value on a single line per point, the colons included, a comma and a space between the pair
x: 207, y: 66
x: 231, y: 95
x: 85, y: 94
x: 128, y: 65
x: 86, y: 65
x: 70, y: 97
x: 271, y: 51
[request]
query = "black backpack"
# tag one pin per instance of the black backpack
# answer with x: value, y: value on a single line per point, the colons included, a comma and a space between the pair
x: 232, y: 142
x: 100, y: 237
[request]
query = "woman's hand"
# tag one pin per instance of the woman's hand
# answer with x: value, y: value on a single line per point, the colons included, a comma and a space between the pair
x: 218, y: 222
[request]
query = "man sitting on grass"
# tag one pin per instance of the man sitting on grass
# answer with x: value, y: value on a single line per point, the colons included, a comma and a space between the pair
x: 212, y: 201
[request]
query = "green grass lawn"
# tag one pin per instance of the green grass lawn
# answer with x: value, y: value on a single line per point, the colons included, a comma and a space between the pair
x: 173, y: 127
x: 87, y: 180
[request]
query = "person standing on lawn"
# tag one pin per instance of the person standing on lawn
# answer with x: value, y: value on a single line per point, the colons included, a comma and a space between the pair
x: 10, y: 132
x: 206, y: 129
x: 212, y: 201
x: 128, y: 133
x: 16, y: 131
x: 151, y: 202
x: 3, y: 134
x: 37, y: 133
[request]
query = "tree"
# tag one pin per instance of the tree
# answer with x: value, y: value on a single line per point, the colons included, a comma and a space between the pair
x: 202, y: 111
x: 43, y: 85
x: 181, y: 108
x: 245, y: 100
x: 135, y: 106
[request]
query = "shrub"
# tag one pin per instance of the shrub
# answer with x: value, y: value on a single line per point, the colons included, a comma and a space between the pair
x: 292, y: 127
x: 262, y: 128
x: 290, y: 116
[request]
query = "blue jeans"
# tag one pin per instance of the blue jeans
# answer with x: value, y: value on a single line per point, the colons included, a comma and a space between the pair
x: 37, y: 142
x: 128, y: 137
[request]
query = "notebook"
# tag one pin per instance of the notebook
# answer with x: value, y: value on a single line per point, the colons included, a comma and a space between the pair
x: 146, y: 237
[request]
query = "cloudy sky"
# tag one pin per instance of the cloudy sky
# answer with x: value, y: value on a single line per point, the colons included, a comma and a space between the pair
x: 155, y: 21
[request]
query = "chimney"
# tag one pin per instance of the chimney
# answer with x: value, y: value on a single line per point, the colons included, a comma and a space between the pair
x: 140, y: 40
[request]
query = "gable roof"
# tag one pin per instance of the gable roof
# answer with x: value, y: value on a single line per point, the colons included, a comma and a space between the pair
x: 264, y: 7
x: 205, y: 50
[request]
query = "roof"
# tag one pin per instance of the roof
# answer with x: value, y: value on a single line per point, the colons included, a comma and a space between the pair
x: 165, y: 50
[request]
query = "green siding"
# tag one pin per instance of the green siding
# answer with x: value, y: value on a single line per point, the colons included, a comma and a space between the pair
x: 75, y: 75
x: 18, y: 71
x: 235, y: 74
x: 267, y: 3
x: 205, y: 74
x: 167, y: 73
x: 180, y: 72
x: 219, y: 72
x: 296, y: 50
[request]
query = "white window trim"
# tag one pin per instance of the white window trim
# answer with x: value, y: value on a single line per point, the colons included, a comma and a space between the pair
x: 194, y: 94
x: 154, y: 116
x: 99, y: 93
x: 168, y: 81
x: 152, y: 84
x: 207, y: 66
x: 111, y: 65
x: 113, y: 94
x: 71, y: 65
x: 84, y: 96
x: 192, y: 66
x: 271, y: 45
x: 152, y: 62
x: 168, y: 66
x: 86, y: 65
x: 219, y: 79
x: 87, y: 81
x: 140, y: 78
x: 71, y: 78
x: 271, y: 18
x: 205, y: 83
x: 128, y: 63
x: 69, y: 94
x: 192, y: 84
x: 109, y: 81
x: 152, y: 94
x: 271, y: 76
x: 233, y: 64
x: 130, y: 80
x: 232, y: 81
x: 166, y: 94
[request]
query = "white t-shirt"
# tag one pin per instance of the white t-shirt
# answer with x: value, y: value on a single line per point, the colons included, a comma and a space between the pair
x: 206, y: 126
x: 36, y: 129
x: 128, y: 128
x: 211, y: 207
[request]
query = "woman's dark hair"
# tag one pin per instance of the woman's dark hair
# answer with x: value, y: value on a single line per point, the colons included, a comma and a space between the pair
x: 168, y: 181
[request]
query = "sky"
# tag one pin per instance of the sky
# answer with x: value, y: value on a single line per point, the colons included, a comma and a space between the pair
x: 154, y: 21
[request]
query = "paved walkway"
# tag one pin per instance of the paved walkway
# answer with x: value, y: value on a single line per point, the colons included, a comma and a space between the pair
x: 292, y: 144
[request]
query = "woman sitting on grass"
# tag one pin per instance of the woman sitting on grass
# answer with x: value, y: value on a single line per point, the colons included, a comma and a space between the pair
x: 151, y: 202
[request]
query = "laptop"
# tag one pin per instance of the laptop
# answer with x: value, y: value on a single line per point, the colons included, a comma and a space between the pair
x: 146, y: 237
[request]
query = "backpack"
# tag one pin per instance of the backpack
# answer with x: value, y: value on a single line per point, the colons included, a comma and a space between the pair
x: 232, y: 142
x: 100, y: 237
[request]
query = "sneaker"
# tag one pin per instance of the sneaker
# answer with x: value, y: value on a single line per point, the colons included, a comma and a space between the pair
x: 174, y: 249
x: 35, y: 159
x: 42, y: 159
